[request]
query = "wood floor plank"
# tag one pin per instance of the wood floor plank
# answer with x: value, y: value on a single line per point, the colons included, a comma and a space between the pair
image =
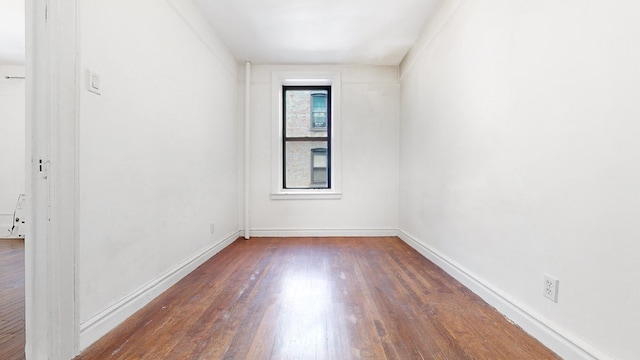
x: 317, y: 298
x: 12, y: 337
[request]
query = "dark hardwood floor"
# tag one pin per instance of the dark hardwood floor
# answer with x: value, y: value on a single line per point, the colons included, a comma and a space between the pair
x: 318, y: 298
x: 12, y: 299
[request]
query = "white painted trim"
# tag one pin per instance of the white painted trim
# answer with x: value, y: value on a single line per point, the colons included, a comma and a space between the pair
x: 307, y: 195
x: 321, y: 77
x: 247, y: 149
x: 103, y: 322
x: 51, y: 115
x: 323, y: 232
x: 548, y: 333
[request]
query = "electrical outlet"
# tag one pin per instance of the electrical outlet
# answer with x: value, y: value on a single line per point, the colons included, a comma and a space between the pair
x: 550, y: 289
x: 212, y: 227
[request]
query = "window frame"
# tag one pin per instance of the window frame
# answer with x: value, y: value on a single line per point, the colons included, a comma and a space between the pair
x: 279, y: 79
x: 327, y: 138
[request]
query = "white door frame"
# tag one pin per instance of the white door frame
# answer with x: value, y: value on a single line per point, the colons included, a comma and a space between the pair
x: 50, y: 245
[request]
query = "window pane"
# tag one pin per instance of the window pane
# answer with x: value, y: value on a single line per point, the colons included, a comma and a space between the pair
x: 306, y: 142
x: 306, y: 116
x: 301, y: 170
x: 319, y: 101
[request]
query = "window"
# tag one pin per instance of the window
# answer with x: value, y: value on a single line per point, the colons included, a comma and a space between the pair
x: 318, y: 111
x: 305, y: 156
x: 319, y: 166
x: 304, y: 105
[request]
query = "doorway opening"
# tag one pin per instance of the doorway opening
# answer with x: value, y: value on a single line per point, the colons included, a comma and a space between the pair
x: 13, y: 214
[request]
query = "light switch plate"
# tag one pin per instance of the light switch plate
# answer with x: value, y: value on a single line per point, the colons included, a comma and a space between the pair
x: 93, y: 84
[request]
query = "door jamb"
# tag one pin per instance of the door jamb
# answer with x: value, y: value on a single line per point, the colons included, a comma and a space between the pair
x: 50, y: 245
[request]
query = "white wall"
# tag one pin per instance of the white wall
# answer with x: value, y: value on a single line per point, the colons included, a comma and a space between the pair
x: 369, y: 158
x: 519, y: 157
x: 157, y: 153
x: 12, y: 143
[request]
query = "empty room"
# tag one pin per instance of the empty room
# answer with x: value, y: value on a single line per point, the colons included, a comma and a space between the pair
x: 407, y: 179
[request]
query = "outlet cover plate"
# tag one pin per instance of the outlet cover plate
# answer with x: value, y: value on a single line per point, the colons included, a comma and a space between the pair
x: 550, y: 289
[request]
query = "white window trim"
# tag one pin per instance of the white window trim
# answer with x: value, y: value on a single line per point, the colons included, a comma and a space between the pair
x: 278, y: 80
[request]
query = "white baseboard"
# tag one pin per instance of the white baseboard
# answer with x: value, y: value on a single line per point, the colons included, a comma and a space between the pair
x: 322, y: 232
x: 97, y: 326
x: 563, y: 344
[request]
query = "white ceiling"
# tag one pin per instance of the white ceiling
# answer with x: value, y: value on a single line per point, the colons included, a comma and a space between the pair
x: 12, y: 19
x: 377, y: 32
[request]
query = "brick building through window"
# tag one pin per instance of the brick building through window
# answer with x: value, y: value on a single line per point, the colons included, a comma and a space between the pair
x: 306, y: 137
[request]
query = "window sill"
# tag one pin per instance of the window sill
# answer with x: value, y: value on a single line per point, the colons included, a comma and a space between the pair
x: 306, y: 195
